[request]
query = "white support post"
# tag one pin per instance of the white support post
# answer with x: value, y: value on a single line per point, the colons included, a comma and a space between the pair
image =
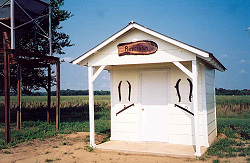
x: 91, y: 107
x: 92, y: 78
x: 195, y: 106
x: 194, y: 76
x: 12, y: 23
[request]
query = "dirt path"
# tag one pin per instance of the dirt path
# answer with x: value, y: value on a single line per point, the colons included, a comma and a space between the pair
x: 73, y: 148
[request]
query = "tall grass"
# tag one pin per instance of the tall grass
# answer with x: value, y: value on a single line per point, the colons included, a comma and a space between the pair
x: 37, y: 101
x: 233, y: 106
x: 72, y: 107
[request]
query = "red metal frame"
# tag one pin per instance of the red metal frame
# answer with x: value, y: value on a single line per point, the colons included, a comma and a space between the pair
x: 49, y: 95
x: 7, y: 97
x: 58, y: 95
x: 19, y: 89
x: 35, y: 60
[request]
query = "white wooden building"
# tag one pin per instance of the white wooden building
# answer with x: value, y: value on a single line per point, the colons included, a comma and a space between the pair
x: 151, y: 82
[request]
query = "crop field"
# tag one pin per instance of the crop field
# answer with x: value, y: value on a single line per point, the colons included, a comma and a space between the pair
x: 233, y: 106
x: 233, y: 121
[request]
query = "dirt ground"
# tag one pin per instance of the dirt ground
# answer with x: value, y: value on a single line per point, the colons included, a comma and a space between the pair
x: 73, y: 148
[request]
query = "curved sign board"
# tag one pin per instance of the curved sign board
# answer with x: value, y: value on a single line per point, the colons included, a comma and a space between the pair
x: 137, y: 48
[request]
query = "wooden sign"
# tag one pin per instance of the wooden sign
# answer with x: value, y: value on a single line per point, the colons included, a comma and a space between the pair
x: 137, y: 48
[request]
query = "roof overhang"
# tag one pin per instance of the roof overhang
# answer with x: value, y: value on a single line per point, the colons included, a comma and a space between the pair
x: 202, y: 54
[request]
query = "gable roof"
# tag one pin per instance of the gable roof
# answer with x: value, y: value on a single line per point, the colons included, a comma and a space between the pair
x: 204, y: 55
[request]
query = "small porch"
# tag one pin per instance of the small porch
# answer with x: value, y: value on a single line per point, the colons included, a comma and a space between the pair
x: 150, y: 148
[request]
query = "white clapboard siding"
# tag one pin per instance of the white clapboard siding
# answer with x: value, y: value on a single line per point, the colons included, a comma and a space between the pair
x: 210, y: 89
x: 209, y: 80
x: 210, y: 100
x: 126, y: 136
x: 209, y: 72
x: 212, y: 136
x: 186, y: 140
x: 210, y: 108
x: 185, y: 119
x: 210, y: 117
x: 211, y: 126
x: 184, y: 129
x: 126, y: 117
x: 127, y: 122
x: 125, y: 127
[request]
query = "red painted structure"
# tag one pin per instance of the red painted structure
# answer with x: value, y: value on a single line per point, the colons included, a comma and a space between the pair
x: 24, y: 58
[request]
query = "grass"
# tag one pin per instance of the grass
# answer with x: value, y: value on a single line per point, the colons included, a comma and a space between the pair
x: 88, y: 148
x: 48, y: 160
x: 74, y: 118
x: 222, y: 148
x: 228, y: 147
x: 236, y: 139
x: 47, y: 152
x: 42, y: 130
x: 234, y: 128
x: 7, y: 152
x: 216, y: 161
x: 233, y: 120
x: 232, y: 100
x: 66, y: 100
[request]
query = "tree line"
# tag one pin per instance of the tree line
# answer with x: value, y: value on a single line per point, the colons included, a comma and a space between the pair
x: 69, y: 92
x: 221, y: 91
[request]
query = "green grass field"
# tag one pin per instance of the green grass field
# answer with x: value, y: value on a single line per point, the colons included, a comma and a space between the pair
x: 37, y: 101
x: 233, y: 120
x: 233, y: 100
x: 74, y: 117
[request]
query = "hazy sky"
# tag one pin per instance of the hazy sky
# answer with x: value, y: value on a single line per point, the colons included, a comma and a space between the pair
x: 215, y: 26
